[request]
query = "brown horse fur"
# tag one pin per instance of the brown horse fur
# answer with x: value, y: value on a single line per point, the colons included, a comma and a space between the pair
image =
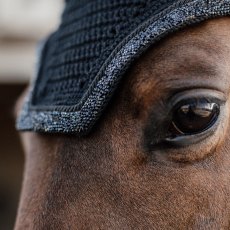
x: 112, y: 179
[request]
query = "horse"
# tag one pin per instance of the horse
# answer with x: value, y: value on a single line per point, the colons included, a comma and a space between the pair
x: 131, y: 172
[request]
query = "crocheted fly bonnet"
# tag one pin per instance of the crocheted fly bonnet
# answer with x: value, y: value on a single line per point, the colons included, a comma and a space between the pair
x: 81, y: 64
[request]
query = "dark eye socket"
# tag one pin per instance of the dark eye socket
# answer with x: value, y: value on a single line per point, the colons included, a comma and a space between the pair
x: 193, y: 116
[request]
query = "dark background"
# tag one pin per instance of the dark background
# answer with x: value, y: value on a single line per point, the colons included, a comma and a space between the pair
x: 11, y: 156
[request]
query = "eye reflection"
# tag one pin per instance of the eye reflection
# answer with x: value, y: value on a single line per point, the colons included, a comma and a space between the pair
x: 193, y: 116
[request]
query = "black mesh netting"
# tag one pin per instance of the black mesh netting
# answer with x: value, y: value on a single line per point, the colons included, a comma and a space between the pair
x: 89, y: 32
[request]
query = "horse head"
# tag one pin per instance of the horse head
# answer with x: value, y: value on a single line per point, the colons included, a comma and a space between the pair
x: 158, y: 156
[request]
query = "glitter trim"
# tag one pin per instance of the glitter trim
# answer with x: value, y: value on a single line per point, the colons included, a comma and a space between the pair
x: 80, y: 119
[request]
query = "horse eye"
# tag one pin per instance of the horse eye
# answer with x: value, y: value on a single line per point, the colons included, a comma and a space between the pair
x: 193, y: 116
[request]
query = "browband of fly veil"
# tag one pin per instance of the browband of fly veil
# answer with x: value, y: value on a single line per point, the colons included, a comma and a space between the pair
x: 80, y: 117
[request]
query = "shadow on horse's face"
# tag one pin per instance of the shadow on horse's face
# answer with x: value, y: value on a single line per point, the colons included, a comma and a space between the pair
x: 159, y: 157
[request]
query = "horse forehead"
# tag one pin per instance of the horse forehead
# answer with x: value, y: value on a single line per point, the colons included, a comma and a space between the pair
x: 208, y: 39
x: 202, y: 49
